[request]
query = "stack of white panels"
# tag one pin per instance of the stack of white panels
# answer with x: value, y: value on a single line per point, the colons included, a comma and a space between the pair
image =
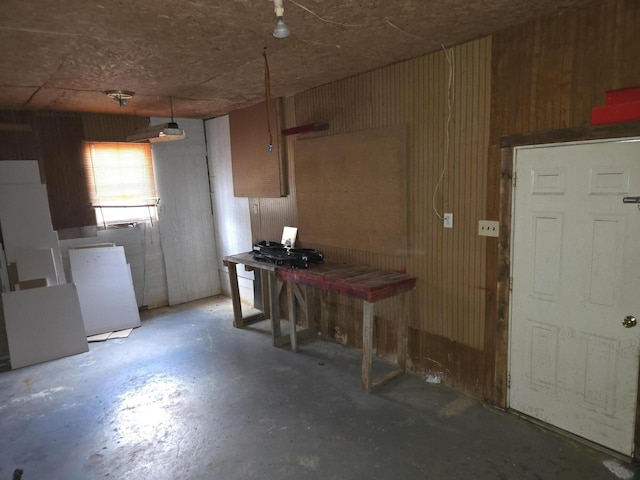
x: 105, y: 289
x: 25, y: 220
x: 43, y: 324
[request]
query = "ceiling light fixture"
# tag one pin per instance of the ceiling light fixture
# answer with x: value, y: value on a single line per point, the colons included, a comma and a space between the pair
x: 281, y: 30
x: 165, y: 132
x: 120, y: 96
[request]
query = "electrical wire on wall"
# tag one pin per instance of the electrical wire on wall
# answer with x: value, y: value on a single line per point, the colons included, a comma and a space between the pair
x: 450, y: 99
x: 267, y: 94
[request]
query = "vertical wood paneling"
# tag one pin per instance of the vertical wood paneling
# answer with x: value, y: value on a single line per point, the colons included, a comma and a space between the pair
x: 17, y: 141
x: 111, y: 128
x: 59, y: 137
x: 449, y: 264
x: 549, y: 74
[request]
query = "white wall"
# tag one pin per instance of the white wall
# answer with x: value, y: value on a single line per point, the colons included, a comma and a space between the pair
x: 186, y: 217
x: 231, y: 214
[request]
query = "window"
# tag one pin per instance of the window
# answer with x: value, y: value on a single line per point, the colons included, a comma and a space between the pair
x: 120, y: 180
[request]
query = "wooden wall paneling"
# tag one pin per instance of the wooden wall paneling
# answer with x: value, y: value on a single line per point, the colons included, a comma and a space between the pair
x: 59, y: 136
x: 16, y: 136
x: 111, y: 128
x: 449, y: 301
x: 551, y: 72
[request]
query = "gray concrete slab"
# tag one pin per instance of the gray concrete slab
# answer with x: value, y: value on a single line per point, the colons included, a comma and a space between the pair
x: 188, y: 396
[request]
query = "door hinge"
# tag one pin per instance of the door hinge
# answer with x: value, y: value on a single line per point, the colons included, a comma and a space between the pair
x: 511, y: 284
x: 509, y: 381
x: 515, y: 179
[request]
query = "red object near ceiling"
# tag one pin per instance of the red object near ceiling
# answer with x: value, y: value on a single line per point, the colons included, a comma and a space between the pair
x: 620, y: 106
x: 311, y: 127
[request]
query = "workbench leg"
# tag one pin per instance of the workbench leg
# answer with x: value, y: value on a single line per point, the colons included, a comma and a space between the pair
x: 310, y: 311
x: 291, y: 299
x: 324, y: 315
x: 274, y: 301
x: 368, y: 314
x: 264, y: 290
x: 403, y: 326
x: 235, y: 296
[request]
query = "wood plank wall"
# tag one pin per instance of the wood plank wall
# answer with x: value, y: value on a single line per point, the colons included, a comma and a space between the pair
x: 54, y: 139
x: 547, y: 75
x: 447, y: 322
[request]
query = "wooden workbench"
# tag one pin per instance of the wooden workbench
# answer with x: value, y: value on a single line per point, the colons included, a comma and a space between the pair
x: 273, y: 286
x: 364, y: 283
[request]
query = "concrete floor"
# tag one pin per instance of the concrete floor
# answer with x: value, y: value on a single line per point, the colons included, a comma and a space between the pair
x: 187, y: 396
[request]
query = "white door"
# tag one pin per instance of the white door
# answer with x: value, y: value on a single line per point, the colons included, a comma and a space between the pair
x: 576, y: 276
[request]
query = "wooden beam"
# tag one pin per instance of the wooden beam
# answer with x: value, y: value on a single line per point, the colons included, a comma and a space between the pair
x: 618, y: 130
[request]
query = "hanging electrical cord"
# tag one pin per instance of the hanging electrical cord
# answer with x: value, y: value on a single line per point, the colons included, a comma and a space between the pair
x: 450, y: 99
x: 267, y: 94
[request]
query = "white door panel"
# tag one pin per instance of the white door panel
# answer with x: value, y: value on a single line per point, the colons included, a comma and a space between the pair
x: 576, y: 275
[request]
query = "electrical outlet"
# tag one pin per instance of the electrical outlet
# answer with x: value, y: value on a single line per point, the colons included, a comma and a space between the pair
x: 488, y: 228
x: 448, y: 220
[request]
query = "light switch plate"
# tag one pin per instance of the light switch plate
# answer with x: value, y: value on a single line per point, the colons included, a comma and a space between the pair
x: 488, y: 228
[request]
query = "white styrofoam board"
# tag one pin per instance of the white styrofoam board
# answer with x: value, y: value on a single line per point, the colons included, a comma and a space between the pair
x: 105, y: 290
x: 19, y: 171
x: 43, y: 324
x: 36, y: 263
x: 25, y: 218
x: 5, y: 286
x: 57, y: 258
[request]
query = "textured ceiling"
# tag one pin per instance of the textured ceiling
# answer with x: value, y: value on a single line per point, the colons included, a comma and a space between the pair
x: 207, y: 54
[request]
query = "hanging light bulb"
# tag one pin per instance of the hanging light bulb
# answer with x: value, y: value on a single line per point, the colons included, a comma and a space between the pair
x: 281, y: 30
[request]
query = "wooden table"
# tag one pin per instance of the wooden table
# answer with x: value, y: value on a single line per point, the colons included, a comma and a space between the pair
x: 267, y: 271
x: 364, y: 283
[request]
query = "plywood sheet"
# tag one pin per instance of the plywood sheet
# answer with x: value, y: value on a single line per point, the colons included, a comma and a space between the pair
x: 43, y: 324
x: 105, y: 290
x: 19, y: 171
x: 352, y: 190
x: 256, y: 171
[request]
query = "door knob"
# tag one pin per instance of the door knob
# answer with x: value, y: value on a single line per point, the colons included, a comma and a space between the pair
x: 629, y: 321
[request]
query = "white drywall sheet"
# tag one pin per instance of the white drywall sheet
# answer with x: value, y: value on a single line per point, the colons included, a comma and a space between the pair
x: 43, y: 324
x: 19, y: 171
x: 24, y: 217
x: 36, y: 263
x: 105, y: 290
x: 25, y: 221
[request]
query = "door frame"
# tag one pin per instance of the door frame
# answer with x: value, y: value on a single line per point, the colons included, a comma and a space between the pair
x: 498, y: 298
